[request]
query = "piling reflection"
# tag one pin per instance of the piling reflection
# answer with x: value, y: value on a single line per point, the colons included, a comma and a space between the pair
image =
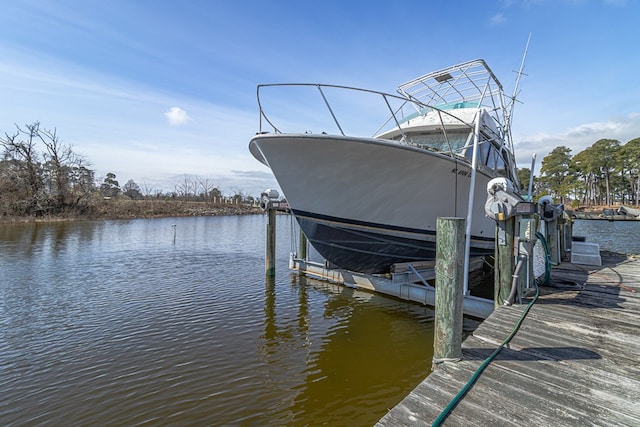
x: 363, y: 356
x: 289, y: 334
x: 270, y: 331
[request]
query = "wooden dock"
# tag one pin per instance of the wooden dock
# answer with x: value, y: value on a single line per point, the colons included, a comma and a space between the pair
x: 575, y: 360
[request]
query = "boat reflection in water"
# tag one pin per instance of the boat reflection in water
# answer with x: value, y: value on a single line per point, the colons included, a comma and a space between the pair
x: 346, y: 363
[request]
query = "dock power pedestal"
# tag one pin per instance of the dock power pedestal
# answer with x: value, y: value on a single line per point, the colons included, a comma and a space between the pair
x: 552, y: 215
x: 516, y: 224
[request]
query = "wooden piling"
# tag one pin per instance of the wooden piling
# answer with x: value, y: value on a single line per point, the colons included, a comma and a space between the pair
x: 270, y: 257
x: 567, y: 233
x: 504, y: 260
x: 302, y: 248
x: 447, y: 343
x: 552, y: 241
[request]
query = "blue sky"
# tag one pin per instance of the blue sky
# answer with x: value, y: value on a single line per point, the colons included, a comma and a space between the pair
x: 152, y: 90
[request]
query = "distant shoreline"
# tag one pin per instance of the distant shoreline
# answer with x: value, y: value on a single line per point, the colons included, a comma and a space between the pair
x: 149, y: 209
x: 135, y: 209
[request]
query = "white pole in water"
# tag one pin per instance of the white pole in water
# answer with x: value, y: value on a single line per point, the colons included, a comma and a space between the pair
x: 472, y: 187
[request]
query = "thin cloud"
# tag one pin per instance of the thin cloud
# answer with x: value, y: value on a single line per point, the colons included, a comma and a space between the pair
x: 497, y: 19
x: 177, y: 116
x: 577, y: 138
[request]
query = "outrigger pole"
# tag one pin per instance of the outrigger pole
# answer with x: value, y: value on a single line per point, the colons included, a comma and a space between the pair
x: 515, y: 89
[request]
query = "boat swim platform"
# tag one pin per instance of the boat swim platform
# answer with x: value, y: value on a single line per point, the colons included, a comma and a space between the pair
x: 406, y: 283
x: 575, y: 361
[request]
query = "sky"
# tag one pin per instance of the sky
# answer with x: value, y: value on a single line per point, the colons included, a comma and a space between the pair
x: 155, y: 90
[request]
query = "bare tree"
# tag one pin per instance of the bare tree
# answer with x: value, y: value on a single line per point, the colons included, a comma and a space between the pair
x: 148, y: 190
x: 49, y: 181
x: 24, y: 169
x: 187, y: 187
x: 61, y: 160
x: 207, y: 187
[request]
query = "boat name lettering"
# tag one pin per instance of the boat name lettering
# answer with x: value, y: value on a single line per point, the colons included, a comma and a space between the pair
x: 461, y: 172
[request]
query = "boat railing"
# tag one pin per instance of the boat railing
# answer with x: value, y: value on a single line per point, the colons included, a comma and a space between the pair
x: 393, y: 110
x: 398, y: 108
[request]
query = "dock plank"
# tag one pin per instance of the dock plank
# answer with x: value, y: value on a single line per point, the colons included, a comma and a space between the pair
x: 574, y: 362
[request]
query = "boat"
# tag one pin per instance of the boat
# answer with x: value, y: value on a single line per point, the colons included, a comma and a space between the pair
x: 629, y: 211
x: 369, y: 198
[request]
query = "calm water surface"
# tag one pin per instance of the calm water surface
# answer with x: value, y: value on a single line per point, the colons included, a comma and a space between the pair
x: 615, y: 236
x: 171, y: 322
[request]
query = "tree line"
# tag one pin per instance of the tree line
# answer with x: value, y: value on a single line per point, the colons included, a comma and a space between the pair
x: 605, y: 173
x: 42, y: 176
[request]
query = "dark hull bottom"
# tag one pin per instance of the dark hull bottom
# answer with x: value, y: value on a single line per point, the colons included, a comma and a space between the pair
x: 367, y: 248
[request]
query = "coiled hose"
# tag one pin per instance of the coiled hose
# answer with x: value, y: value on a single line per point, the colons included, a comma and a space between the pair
x: 547, y: 260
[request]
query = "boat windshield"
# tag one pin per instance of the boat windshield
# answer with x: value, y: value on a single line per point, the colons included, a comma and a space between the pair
x: 459, y: 142
x: 436, y: 140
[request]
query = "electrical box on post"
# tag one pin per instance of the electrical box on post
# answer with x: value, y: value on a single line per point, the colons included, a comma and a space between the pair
x: 502, y: 200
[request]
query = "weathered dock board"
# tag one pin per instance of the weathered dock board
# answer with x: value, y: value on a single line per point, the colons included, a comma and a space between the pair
x: 574, y: 362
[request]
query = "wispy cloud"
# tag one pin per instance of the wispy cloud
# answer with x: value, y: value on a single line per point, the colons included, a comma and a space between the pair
x: 497, y: 19
x: 177, y: 116
x: 577, y: 138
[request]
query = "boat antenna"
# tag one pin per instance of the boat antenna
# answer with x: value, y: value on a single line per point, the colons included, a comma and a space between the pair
x: 515, y: 89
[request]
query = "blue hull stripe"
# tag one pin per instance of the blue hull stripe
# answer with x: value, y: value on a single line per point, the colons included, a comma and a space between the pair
x: 367, y: 247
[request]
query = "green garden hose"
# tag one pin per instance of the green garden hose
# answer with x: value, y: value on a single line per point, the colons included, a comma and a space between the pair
x: 458, y: 397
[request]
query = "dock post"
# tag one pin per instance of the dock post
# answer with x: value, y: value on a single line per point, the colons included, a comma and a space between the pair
x: 302, y: 248
x: 504, y: 260
x: 447, y: 343
x: 562, y: 255
x: 552, y: 240
x: 568, y: 235
x: 270, y: 256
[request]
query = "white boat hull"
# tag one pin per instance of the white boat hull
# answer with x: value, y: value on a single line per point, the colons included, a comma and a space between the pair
x: 365, y: 204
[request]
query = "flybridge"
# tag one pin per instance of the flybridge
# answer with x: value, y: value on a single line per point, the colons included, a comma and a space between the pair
x: 469, y: 84
x: 466, y: 82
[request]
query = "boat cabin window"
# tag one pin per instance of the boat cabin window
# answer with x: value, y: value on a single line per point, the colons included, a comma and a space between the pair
x: 492, y: 160
x: 436, y: 140
x: 501, y: 167
x: 484, y: 152
x: 488, y: 155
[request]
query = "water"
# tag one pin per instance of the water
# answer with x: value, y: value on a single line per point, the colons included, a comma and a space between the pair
x: 615, y: 236
x: 171, y: 322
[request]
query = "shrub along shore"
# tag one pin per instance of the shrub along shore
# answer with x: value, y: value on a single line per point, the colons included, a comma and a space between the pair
x: 130, y: 209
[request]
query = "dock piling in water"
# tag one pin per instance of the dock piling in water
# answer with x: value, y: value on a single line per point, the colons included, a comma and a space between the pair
x: 269, y: 203
x: 302, y: 248
x: 447, y: 343
x: 270, y: 256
